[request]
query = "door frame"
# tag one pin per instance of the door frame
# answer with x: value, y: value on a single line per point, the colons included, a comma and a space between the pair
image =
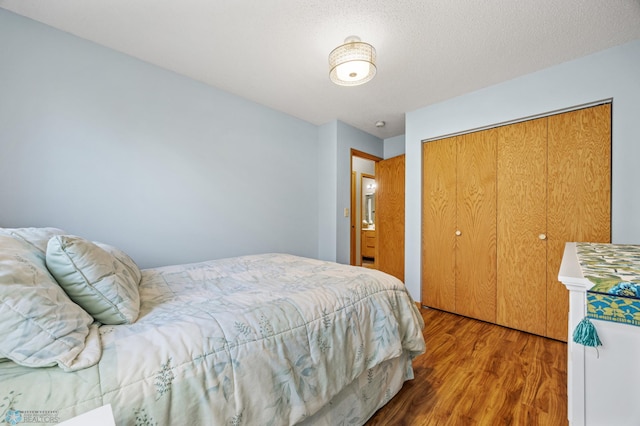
x: 366, y: 156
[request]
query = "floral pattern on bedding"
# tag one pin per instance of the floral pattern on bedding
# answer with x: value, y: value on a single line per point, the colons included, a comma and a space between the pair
x: 267, y: 339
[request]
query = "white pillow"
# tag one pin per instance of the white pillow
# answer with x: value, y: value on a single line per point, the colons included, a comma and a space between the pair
x: 39, y: 325
x: 126, y: 261
x: 101, y: 279
x: 36, y: 237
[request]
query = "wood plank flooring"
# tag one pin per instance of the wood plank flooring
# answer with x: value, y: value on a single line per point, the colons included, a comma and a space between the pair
x: 476, y: 373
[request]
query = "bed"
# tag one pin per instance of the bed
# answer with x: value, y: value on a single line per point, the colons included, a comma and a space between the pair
x: 270, y: 339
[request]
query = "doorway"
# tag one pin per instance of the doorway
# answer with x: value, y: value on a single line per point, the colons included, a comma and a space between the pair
x: 363, y: 204
x: 367, y: 220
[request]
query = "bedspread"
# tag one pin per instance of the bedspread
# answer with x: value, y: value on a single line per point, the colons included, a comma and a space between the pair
x: 263, y: 339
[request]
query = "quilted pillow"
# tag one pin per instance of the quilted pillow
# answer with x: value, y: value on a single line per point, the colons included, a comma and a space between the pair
x: 39, y: 325
x: 127, y: 262
x: 36, y: 237
x: 100, y: 278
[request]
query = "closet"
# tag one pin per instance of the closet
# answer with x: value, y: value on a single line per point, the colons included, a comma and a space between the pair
x: 498, y: 207
x: 459, y: 227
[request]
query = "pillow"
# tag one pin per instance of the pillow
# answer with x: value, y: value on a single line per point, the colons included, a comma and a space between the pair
x: 36, y: 237
x: 100, y: 278
x: 39, y: 325
x: 124, y: 259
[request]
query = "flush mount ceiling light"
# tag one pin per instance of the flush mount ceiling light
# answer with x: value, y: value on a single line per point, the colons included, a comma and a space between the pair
x: 352, y: 63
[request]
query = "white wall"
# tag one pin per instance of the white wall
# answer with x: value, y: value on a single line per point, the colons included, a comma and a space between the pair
x: 169, y: 169
x: 610, y: 74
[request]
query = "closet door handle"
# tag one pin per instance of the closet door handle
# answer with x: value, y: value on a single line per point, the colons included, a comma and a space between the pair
x: 458, y: 233
x: 542, y: 236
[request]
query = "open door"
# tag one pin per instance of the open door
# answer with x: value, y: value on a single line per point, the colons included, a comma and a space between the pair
x: 390, y: 176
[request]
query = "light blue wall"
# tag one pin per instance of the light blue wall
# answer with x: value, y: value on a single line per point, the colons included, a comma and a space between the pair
x: 610, y: 74
x: 394, y: 147
x: 347, y: 138
x: 336, y: 139
x: 168, y: 169
x: 327, y: 190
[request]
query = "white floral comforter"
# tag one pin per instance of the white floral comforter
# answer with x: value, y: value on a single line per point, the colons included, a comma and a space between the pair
x: 256, y: 340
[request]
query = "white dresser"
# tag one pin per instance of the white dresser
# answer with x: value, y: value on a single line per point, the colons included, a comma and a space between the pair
x: 603, y: 385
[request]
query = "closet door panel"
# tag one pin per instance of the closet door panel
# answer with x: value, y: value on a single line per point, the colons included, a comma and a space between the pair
x: 522, y: 226
x: 579, y: 196
x: 476, y: 209
x: 390, y: 216
x: 439, y: 224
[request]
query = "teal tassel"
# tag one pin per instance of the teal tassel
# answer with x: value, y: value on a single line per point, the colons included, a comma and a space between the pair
x: 586, y: 334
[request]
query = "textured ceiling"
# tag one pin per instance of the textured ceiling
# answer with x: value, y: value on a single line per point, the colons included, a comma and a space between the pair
x: 274, y: 52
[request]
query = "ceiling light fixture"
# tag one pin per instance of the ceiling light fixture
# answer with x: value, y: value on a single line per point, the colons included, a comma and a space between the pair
x: 352, y: 63
x: 380, y: 123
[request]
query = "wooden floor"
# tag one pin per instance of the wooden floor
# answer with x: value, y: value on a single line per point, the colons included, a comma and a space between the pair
x: 475, y: 373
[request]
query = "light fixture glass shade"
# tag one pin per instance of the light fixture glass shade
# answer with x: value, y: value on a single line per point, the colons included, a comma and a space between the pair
x: 352, y: 63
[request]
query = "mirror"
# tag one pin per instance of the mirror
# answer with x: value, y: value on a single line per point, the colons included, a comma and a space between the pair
x: 368, y: 212
x: 363, y: 207
x: 368, y: 203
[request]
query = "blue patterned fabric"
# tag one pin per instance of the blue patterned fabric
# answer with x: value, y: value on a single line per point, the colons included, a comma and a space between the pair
x: 614, y: 269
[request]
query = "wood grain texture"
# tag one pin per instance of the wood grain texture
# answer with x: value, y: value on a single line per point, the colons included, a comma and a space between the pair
x: 579, y: 203
x: 555, y: 169
x: 352, y: 221
x: 475, y: 373
x: 476, y: 220
x: 439, y: 223
x: 368, y: 238
x: 390, y: 177
x: 522, y: 216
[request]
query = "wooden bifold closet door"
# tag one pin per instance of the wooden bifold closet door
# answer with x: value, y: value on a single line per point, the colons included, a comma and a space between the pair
x: 499, y: 206
x: 579, y: 196
x: 522, y: 226
x: 439, y: 224
x: 459, y: 231
x: 476, y: 226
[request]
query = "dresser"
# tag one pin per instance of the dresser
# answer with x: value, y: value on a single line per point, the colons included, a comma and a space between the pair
x: 603, y: 383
